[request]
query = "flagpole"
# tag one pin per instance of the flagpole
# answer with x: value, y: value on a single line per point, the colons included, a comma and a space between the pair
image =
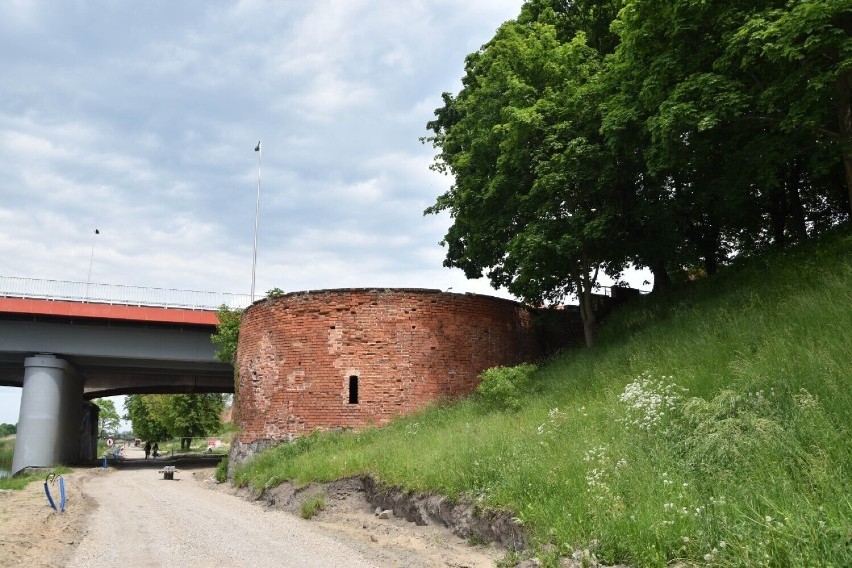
x: 91, y: 258
x: 259, y: 151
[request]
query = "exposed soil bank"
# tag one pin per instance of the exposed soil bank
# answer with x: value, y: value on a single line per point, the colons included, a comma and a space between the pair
x: 463, y: 518
x: 354, y: 505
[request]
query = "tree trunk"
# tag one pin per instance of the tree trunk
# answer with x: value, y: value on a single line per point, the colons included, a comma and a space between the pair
x: 844, y: 117
x: 587, y: 312
x: 778, y: 213
x: 662, y: 280
x: 797, y: 212
x: 709, y: 243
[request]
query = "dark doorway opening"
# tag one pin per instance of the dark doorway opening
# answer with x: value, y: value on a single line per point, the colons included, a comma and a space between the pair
x: 353, y: 389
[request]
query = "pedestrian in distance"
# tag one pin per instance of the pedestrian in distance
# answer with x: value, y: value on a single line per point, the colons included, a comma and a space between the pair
x: 155, y: 450
x: 147, y: 449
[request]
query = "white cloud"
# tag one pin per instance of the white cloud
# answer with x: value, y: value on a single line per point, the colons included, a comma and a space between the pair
x: 328, y: 94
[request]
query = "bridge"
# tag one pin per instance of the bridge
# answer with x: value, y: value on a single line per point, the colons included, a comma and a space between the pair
x: 66, y: 343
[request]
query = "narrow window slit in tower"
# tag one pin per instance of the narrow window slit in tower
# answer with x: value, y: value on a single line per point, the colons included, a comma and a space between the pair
x: 353, y: 389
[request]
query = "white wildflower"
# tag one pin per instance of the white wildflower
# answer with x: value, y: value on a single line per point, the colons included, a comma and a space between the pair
x: 648, y: 401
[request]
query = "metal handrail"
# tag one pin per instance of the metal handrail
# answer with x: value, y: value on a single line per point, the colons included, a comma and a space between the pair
x: 96, y: 293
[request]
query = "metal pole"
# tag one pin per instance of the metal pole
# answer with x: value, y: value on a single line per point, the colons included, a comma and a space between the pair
x: 91, y: 258
x: 259, y: 151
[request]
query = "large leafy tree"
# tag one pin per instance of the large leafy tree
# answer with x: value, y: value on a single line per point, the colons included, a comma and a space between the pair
x: 797, y: 60
x: 143, y: 411
x: 534, y: 200
x: 193, y: 415
x: 590, y: 135
x: 736, y: 105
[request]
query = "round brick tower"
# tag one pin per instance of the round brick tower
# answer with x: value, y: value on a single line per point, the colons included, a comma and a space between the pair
x: 351, y: 358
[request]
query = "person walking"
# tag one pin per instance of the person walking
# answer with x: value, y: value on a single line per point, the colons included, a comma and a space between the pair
x: 155, y: 450
x: 147, y: 449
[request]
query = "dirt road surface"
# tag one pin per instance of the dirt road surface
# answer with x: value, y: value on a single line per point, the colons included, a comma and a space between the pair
x: 144, y: 520
x: 134, y: 517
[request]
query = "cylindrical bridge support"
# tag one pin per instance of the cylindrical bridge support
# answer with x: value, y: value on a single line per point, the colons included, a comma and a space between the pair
x: 51, y: 410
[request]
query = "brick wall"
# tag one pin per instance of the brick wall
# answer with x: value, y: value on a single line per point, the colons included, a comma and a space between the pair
x: 298, y: 353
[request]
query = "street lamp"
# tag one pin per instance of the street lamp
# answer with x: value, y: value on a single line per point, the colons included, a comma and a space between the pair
x: 256, y: 215
x: 91, y: 258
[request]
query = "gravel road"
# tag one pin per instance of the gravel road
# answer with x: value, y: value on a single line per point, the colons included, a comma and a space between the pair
x: 144, y: 520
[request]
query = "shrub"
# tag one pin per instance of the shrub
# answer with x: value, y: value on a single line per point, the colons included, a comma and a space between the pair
x: 274, y: 293
x: 732, y: 431
x: 222, y: 471
x: 504, y: 387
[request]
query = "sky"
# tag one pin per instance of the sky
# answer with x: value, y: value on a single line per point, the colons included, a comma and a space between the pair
x: 140, y: 120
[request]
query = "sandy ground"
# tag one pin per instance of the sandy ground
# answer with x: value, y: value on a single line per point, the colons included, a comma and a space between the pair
x: 33, y: 534
x: 133, y: 516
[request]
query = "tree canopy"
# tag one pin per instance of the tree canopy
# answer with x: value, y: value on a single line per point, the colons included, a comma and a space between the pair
x: 227, y: 333
x: 162, y: 416
x: 109, y: 420
x: 593, y: 135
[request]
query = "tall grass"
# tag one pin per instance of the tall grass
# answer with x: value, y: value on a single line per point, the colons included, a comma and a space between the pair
x: 711, y: 425
x: 21, y: 480
x: 7, y: 449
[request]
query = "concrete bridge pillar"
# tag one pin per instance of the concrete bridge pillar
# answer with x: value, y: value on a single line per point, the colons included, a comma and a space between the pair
x: 51, y: 411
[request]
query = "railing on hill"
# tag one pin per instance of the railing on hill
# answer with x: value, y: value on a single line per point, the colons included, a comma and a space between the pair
x: 14, y: 287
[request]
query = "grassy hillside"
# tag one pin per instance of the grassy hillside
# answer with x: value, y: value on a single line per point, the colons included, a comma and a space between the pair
x: 711, y: 426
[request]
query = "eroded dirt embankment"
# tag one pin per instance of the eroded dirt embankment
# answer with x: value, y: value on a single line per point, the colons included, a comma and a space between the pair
x: 422, y: 529
x: 462, y: 517
x: 413, y: 529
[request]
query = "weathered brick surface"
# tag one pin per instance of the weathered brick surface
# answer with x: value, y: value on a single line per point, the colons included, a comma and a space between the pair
x: 407, y: 347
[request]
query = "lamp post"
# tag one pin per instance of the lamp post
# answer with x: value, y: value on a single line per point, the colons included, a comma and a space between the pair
x: 91, y: 258
x: 256, y: 215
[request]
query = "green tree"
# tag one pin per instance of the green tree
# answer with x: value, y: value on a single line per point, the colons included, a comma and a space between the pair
x: 535, y: 193
x: 7, y: 430
x: 227, y: 333
x: 797, y: 57
x: 108, y: 418
x: 161, y: 416
x: 144, y: 413
x: 733, y: 108
x: 194, y: 415
x: 672, y: 134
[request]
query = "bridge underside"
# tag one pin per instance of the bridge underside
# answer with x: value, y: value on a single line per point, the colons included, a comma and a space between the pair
x: 114, y: 359
x: 62, y: 362
x: 104, y: 376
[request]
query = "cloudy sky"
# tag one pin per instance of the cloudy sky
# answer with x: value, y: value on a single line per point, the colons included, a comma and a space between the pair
x: 140, y: 119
